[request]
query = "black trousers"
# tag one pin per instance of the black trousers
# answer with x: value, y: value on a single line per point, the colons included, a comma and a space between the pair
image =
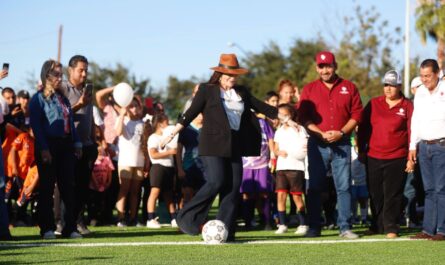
x: 60, y: 170
x: 386, y: 182
x: 83, y: 170
x: 223, y: 176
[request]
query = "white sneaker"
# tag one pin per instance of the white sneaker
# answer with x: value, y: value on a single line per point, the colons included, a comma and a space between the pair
x: 154, y: 224
x: 174, y: 224
x: 121, y: 224
x: 75, y: 235
x: 301, y: 230
x: 281, y: 229
x: 49, y: 235
x: 59, y: 229
x: 348, y: 234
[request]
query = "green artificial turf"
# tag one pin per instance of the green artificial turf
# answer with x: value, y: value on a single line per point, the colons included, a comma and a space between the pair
x: 28, y: 249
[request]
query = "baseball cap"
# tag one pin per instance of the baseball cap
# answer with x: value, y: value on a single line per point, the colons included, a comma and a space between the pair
x: 325, y: 57
x: 23, y: 94
x: 416, y: 82
x: 392, y: 78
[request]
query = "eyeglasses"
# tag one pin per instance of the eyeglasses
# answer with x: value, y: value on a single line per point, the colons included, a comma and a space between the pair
x: 56, y: 74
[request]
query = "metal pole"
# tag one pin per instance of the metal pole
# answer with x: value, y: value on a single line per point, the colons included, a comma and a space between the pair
x: 59, y: 45
x: 407, y: 40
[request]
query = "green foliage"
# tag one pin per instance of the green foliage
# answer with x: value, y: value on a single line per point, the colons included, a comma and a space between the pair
x: 267, y: 68
x: 364, y: 54
x: 103, y: 77
x: 431, y: 23
x: 178, y: 92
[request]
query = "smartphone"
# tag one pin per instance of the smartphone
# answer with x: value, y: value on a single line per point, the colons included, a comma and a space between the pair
x: 6, y: 66
x: 89, y: 88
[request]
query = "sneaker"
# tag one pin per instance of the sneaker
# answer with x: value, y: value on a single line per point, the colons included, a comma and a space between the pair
x: 121, y: 224
x: 49, y: 235
x: 75, y: 235
x: 301, y: 230
x: 348, y: 234
x: 421, y: 235
x: 83, y: 230
x: 312, y: 233
x: 59, y: 229
x: 281, y: 229
x: 154, y: 224
x: 438, y: 237
x: 174, y: 224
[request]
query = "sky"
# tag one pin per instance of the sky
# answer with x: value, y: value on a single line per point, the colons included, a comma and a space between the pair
x: 156, y: 39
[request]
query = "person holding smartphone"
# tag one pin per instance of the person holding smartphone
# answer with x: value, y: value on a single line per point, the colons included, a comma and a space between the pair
x: 79, y: 93
x: 5, y: 71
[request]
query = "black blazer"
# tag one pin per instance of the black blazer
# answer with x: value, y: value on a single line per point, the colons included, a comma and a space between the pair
x: 215, y: 138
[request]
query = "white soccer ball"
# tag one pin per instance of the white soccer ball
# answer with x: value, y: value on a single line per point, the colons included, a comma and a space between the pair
x: 214, y: 232
x: 123, y: 94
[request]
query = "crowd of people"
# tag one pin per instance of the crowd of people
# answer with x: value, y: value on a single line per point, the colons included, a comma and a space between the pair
x: 68, y: 163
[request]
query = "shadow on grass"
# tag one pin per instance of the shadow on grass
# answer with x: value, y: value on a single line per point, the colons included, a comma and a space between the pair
x: 132, y: 233
x: 58, y: 261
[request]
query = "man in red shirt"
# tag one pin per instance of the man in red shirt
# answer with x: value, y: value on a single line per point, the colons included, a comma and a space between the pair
x: 330, y: 109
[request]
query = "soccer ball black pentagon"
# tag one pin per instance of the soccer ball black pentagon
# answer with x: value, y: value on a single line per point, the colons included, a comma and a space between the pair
x: 214, y: 232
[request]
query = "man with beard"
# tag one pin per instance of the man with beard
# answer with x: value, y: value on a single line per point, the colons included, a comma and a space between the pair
x: 330, y: 109
x: 80, y: 97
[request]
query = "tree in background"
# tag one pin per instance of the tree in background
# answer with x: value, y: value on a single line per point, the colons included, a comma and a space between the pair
x: 103, y: 77
x: 178, y: 92
x: 431, y: 24
x: 364, y: 53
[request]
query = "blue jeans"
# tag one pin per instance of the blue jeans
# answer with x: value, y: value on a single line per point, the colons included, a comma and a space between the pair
x: 410, y: 198
x: 322, y: 157
x: 432, y: 166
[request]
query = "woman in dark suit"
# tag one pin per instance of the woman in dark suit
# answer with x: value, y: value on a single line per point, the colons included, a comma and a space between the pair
x: 230, y: 130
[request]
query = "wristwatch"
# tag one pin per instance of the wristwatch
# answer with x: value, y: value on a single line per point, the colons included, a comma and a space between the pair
x: 342, y: 133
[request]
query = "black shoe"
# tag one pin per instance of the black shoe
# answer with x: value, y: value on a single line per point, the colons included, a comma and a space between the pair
x: 6, y: 237
x: 313, y: 233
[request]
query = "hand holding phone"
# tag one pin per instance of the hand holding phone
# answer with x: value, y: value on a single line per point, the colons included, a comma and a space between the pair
x: 88, y: 88
x: 5, y: 70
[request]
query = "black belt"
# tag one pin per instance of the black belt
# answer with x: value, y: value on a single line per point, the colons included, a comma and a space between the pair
x: 435, y: 141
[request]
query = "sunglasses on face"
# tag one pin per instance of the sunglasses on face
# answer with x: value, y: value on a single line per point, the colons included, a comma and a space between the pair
x: 55, y: 74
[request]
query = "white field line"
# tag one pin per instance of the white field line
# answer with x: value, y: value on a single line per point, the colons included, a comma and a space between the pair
x: 259, y: 242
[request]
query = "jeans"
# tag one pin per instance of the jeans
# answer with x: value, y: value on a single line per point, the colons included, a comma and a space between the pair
x: 410, y: 198
x: 223, y: 176
x: 432, y: 166
x: 83, y: 170
x: 336, y: 156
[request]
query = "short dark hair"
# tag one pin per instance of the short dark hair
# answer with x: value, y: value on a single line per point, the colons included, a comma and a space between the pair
x: 290, y: 109
x: 430, y: 63
x: 8, y: 90
x: 270, y: 94
x: 77, y: 58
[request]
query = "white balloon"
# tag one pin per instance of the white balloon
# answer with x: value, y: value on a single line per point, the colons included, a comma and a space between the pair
x: 123, y: 94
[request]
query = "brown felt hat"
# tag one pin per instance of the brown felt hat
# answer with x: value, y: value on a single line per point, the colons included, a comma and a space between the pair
x: 228, y: 64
